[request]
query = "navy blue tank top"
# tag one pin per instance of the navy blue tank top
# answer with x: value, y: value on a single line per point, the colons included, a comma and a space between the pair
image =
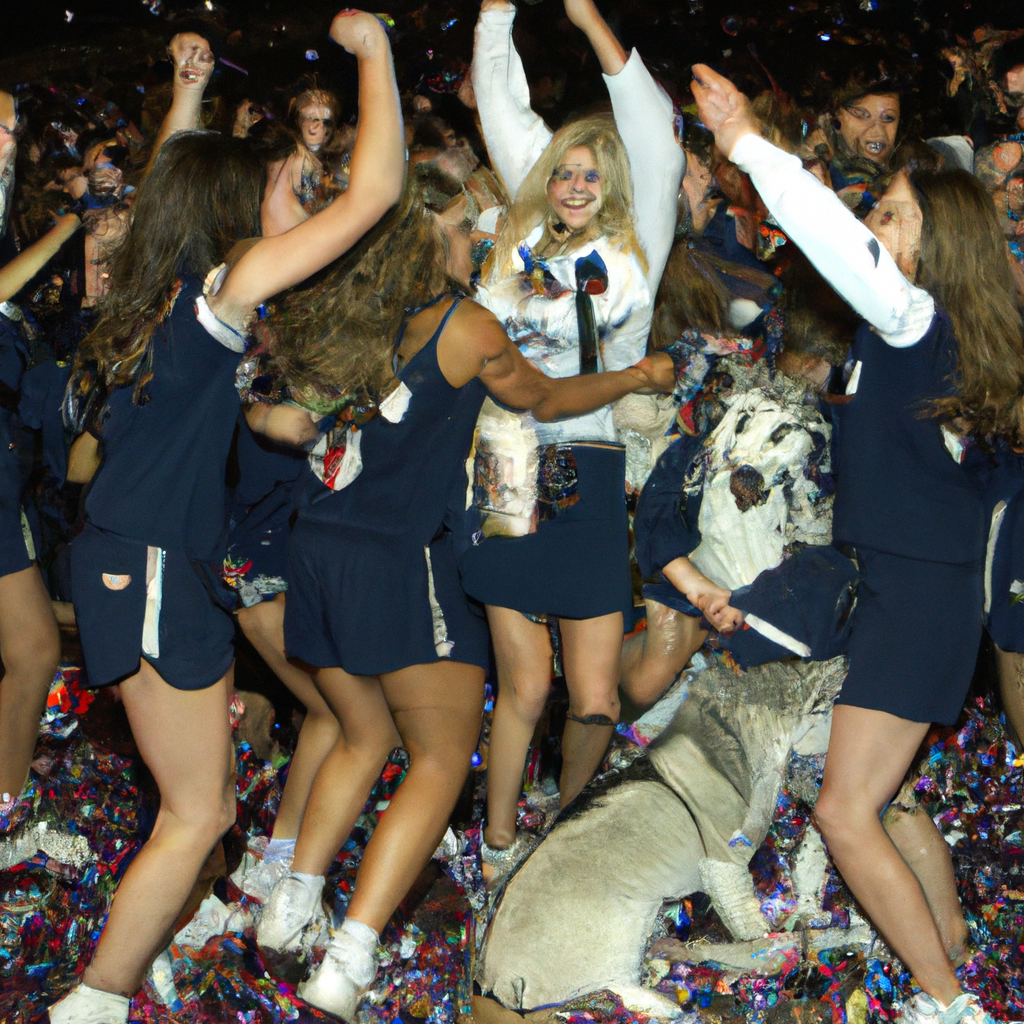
x: 162, y: 481
x: 409, y: 466
x: 898, y: 488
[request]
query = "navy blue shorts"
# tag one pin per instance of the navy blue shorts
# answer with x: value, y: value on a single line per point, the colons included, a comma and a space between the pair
x: 914, y: 637
x: 576, y: 566
x: 180, y: 630
x: 372, y: 604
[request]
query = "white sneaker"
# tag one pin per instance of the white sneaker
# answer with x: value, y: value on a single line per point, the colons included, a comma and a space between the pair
x: 84, y: 1005
x: 339, y: 983
x: 965, y: 1009
x: 290, y: 919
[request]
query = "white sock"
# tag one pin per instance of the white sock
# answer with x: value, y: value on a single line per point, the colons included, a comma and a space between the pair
x: 362, y: 933
x: 311, y: 882
x: 84, y: 1005
x: 278, y: 850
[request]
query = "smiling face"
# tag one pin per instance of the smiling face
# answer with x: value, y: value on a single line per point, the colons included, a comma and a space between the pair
x: 896, y: 222
x: 574, y: 189
x: 316, y: 125
x: 868, y: 125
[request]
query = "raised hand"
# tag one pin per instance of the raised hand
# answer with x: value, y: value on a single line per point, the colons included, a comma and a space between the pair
x: 580, y: 12
x: 193, y: 61
x: 495, y: 5
x: 723, y: 109
x: 361, y: 34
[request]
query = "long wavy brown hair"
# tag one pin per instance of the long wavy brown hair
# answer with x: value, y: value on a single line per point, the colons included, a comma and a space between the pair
x: 337, y: 337
x: 531, y: 209
x: 201, y: 197
x: 964, y: 264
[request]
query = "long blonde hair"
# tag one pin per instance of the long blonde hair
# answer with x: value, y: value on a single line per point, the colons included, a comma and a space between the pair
x: 530, y: 209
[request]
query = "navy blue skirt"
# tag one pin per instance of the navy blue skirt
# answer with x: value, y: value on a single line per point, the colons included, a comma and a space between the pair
x: 371, y: 603
x: 13, y: 552
x: 914, y: 637
x: 185, y: 634
x: 256, y: 566
x: 576, y: 566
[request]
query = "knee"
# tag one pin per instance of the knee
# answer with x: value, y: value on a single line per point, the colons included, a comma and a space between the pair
x: 530, y: 697
x: 372, y: 745
x: 35, y: 654
x: 590, y: 705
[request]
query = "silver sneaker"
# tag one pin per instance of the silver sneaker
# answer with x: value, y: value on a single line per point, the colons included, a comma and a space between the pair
x: 340, y: 982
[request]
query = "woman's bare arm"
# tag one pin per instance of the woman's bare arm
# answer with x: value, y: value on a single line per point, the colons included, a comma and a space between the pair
x: 193, y: 63
x: 375, y: 184
x: 16, y: 274
x: 475, y: 344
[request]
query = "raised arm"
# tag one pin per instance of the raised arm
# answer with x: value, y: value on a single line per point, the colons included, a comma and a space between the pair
x: 476, y: 345
x: 375, y: 185
x: 8, y: 151
x: 16, y: 274
x: 645, y: 120
x: 193, y: 62
x: 843, y: 250
x: 514, y: 134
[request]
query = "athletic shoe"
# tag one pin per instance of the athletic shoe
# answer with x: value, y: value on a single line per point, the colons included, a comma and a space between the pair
x: 965, y: 1009
x: 339, y: 983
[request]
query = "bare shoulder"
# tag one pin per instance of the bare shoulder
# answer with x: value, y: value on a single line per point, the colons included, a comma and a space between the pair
x: 479, y: 327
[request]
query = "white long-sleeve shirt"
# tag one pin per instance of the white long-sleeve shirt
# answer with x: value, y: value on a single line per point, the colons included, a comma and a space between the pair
x: 516, y: 136
x: 843, y: 250
x: 544, y: 326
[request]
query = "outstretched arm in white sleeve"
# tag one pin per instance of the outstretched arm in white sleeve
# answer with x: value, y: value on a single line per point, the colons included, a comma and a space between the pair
x: 514, y: 134
x: 843, y: 250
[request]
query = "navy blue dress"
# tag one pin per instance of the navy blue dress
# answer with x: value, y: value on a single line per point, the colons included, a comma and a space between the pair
x: 373, y: 586
x: 156, y: 513
x: 915, y: 516
x: 255, y: 567
x: 13, y: 552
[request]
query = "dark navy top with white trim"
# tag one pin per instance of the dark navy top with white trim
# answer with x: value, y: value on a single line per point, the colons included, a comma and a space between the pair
x: 898, y: 488
x: 164, y: 462
x: 410, y: 466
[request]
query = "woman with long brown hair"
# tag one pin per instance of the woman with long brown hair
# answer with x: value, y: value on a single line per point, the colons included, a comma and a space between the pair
x: 157, y: 379
x: 938, y: 364
x: 572, y: 276
x: 375, y: 611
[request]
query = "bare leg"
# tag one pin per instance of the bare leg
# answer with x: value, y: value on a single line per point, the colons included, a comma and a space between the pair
x: 868, y: 755
x: 263, y: 624
x: 185, y: 739
x: 437, y: 709
x: 1011, y: 689
x: 30, y: 649
x: 349, y: 771
x: 651, y: 660
x: 522, y: 652
x: 921, y: 845
x: 592, y: 655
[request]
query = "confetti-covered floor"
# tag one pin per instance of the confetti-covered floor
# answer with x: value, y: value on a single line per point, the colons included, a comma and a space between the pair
x: 90, y: 807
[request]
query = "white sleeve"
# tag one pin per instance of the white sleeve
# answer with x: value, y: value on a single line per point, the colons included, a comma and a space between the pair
x: 514, y: 134
x: 644, y: 119
x: 843, y: 250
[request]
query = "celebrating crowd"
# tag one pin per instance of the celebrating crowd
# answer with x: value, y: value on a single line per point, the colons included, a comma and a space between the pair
x: 406, y: 419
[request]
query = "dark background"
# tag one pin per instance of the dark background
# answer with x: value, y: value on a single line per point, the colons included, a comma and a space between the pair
x: 806, y: 45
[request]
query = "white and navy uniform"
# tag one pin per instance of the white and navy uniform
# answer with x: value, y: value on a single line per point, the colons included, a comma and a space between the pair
x: 156, y: 515
x: 576, y: 563
x: 908, y: 496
